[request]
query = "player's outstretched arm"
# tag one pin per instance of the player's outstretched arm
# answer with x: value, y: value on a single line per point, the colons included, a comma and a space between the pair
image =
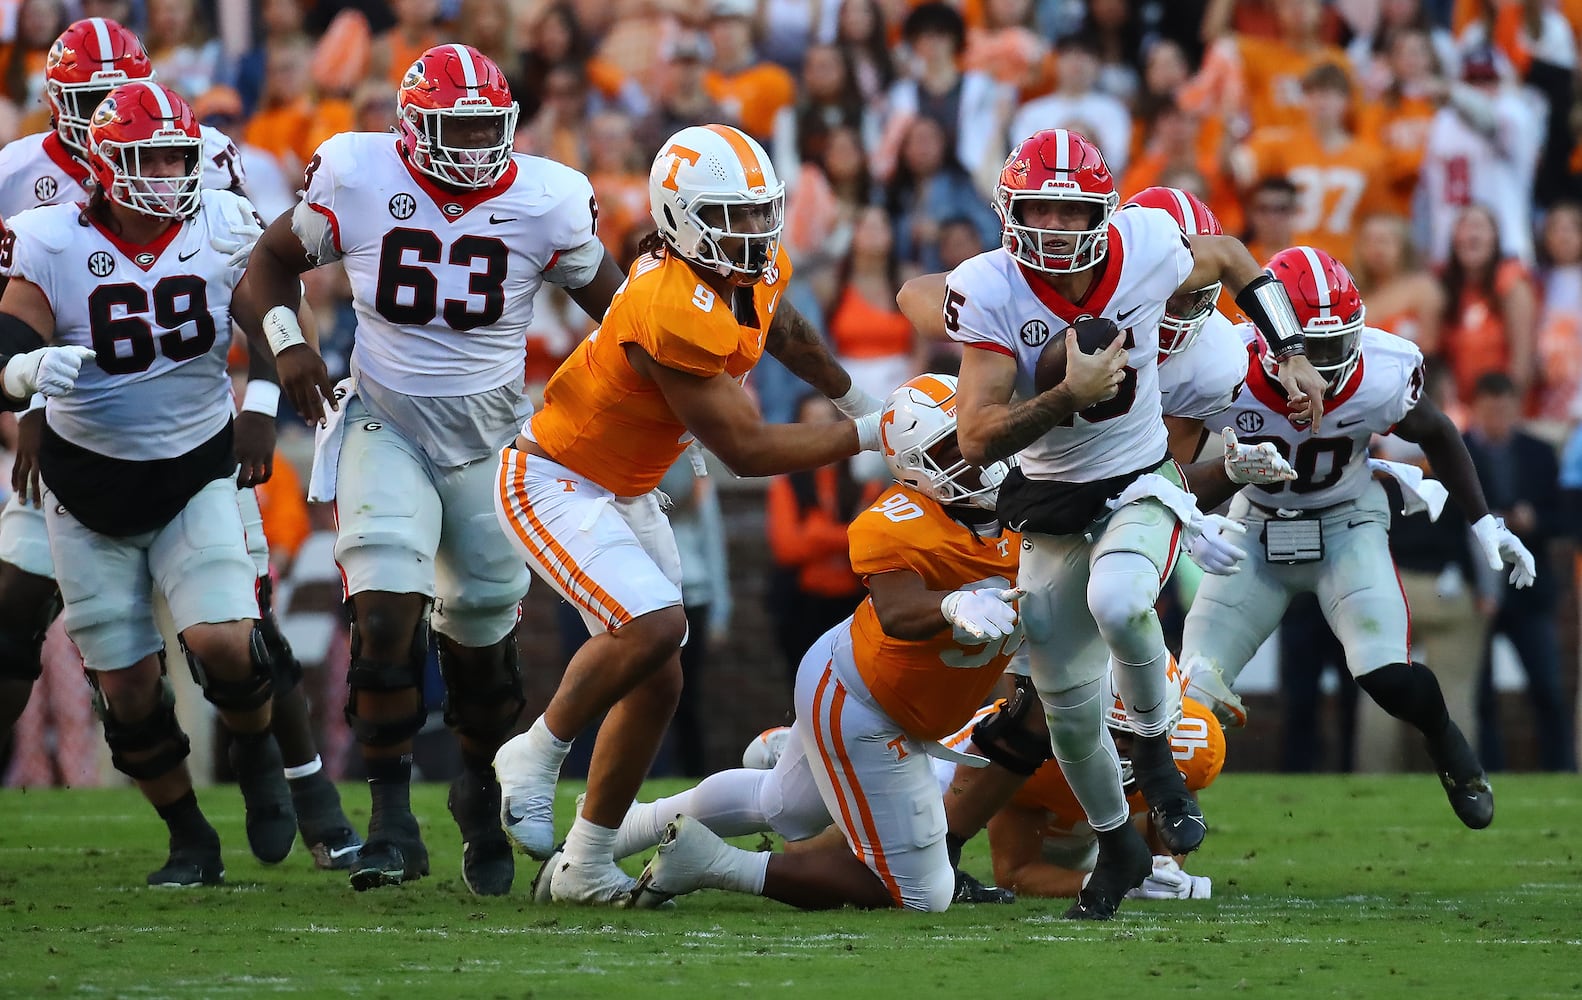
x: 1264, y: 300
x: 720, y: 414
x: 1016, y: 849
x: 922, y: 301
x: 795, y: 343
x: 267, y: 304
x: 28, y: 364
x: 990, y: 428
x: 1427, y: 426
x: 594, y: 297
x: 908, y: 609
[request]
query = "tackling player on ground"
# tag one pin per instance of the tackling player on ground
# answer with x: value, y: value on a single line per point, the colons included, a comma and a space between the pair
x: 151, y: 413
x: 577, y: 491
x: 1327, y: 532
x: 446, y: 237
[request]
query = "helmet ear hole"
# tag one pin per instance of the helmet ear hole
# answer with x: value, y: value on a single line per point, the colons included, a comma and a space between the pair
x: 670, y: 218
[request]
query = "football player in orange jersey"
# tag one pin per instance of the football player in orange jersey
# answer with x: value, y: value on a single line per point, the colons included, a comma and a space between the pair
x: 874, y: 696
x: 577, y: 491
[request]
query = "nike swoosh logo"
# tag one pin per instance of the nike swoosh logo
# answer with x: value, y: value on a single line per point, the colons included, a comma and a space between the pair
x: 1349, y: 423
x: 495, y: 222
x: 184, y: 257
x: 511, y: 818
x: 341, y: 852
x: 773, y: 301
x: 1120, y: 317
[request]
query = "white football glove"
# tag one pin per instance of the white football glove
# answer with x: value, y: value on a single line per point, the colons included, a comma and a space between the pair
x: 868, y: 431
x: 1210, y: 546
x: 235, y: 233
x: 1168, y: 881
x: 1254, y: 463
x: 980, y: 616
x: 51, y: 371
x: 857, y: 403
x: 1500, y: 545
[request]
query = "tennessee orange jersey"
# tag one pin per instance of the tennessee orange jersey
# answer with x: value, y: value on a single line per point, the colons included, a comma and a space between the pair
x: 929, y: 687
x: 1335, y: 187
x: 1199, y: 746
x: 1402, y: 129
x: 1272, y: 73
x: 603, y: 420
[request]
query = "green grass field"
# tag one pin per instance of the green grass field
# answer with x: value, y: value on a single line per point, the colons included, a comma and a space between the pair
x: 1323, y: 887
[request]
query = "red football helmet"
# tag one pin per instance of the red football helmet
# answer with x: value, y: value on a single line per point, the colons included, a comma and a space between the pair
x: 130, y: 138
x: 1056, y: 165
x: 87, y: 61
x: 457, y: 117
x: 1328, y: 306
x: 1185, y: 313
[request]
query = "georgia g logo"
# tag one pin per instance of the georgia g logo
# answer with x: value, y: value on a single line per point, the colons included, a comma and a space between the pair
x: 414, y: 76
x: 57, y: 54
x: 105, y: 113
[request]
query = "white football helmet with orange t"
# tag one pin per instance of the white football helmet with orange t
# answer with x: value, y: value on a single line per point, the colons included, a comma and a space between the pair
x: 917, y: 435
x: 716, y: 199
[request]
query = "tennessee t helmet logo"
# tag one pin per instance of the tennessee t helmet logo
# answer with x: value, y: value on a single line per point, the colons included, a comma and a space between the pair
x: 105, y: 113
x: 415, y: 76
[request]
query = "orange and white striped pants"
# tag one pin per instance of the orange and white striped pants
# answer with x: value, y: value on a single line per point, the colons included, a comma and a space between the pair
x: 614, y: 558
x: 876, y: 781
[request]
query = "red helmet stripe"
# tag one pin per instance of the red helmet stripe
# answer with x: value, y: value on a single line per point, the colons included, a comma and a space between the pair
x: 469, y: 72
x: 1319, y: 279
x: 102, y: 34
x: 1062, y: 150
x: 1188, y: 216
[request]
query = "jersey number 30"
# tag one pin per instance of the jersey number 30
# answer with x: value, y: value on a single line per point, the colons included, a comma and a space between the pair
x: 408, y: 294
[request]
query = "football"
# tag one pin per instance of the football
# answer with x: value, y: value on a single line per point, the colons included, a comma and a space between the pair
x: 1094, y: 333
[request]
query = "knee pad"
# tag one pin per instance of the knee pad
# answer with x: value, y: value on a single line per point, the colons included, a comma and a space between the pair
x: 288, y: 669
x: 1003, y: 736
x: 1122, y: 590
x: 22, y: 643
x: 482, y: 703
x: 243, y: 695
x: 367, y: 674
x: 932, y: 893
x: 158, y: 732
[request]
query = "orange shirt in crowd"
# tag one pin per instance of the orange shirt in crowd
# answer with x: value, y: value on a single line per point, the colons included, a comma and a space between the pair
x: 1475, y: 343
x: 404, y: 53
x: 813, y: 540
x: 295, y: 130
x: 601, y: 419
x: 754, y: 96
x: 623, y: 204
x: 283, y: 502
x: 929, y: 687
x: 1401, y: 128
x: 1260, y: 76
x: 861, y: 331
x: 1335, y: 187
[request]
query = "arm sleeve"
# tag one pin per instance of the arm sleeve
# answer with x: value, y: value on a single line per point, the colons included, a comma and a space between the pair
x: 970, y: 291
x: 573, y: 231
x: 321, y: 238
x: 1411, y: 387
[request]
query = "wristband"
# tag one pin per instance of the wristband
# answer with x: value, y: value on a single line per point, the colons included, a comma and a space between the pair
x: 856, y: 403
x: 282, y: 329
x: 1266, y: 303
x: 261, y: 397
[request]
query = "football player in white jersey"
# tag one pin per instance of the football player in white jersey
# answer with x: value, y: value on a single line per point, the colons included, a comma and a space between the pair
x: 51, y: 168
x: 1096, y: 494
x: 1326, y: 532
x: 446, y: 236
x: 134, y: 298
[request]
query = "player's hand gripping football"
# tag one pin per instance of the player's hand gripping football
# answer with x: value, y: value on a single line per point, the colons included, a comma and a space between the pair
x: 1304, y: 390
x: 1500, y: 546
x: 25, y: 481
x: 1093, y: 378
x: 306, y: 382
x: 1259, y: 464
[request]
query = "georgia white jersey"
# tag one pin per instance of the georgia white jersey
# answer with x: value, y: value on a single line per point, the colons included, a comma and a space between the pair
x: 158, y: 318
x: 990, y: 303
x: 443, y: 282
x: 1462, y: 166
x: 38, y: 170
x: 1331, y: 468
x: 1203, y: 380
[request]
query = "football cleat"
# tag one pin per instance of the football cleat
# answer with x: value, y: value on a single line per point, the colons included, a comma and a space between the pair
x: 527, y: 797
x: 687, y: 853
x: 970, y: 890
x: 393, y: 854
x: 1206, y: 686
x: 328, y: 834
x: 1173, y: 811
x: 190, y: 864
x: 271, y: 818
x: 596, y: 884
x: 1124, y: 863
x: 1466, y: 784
x: 486, y: 863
